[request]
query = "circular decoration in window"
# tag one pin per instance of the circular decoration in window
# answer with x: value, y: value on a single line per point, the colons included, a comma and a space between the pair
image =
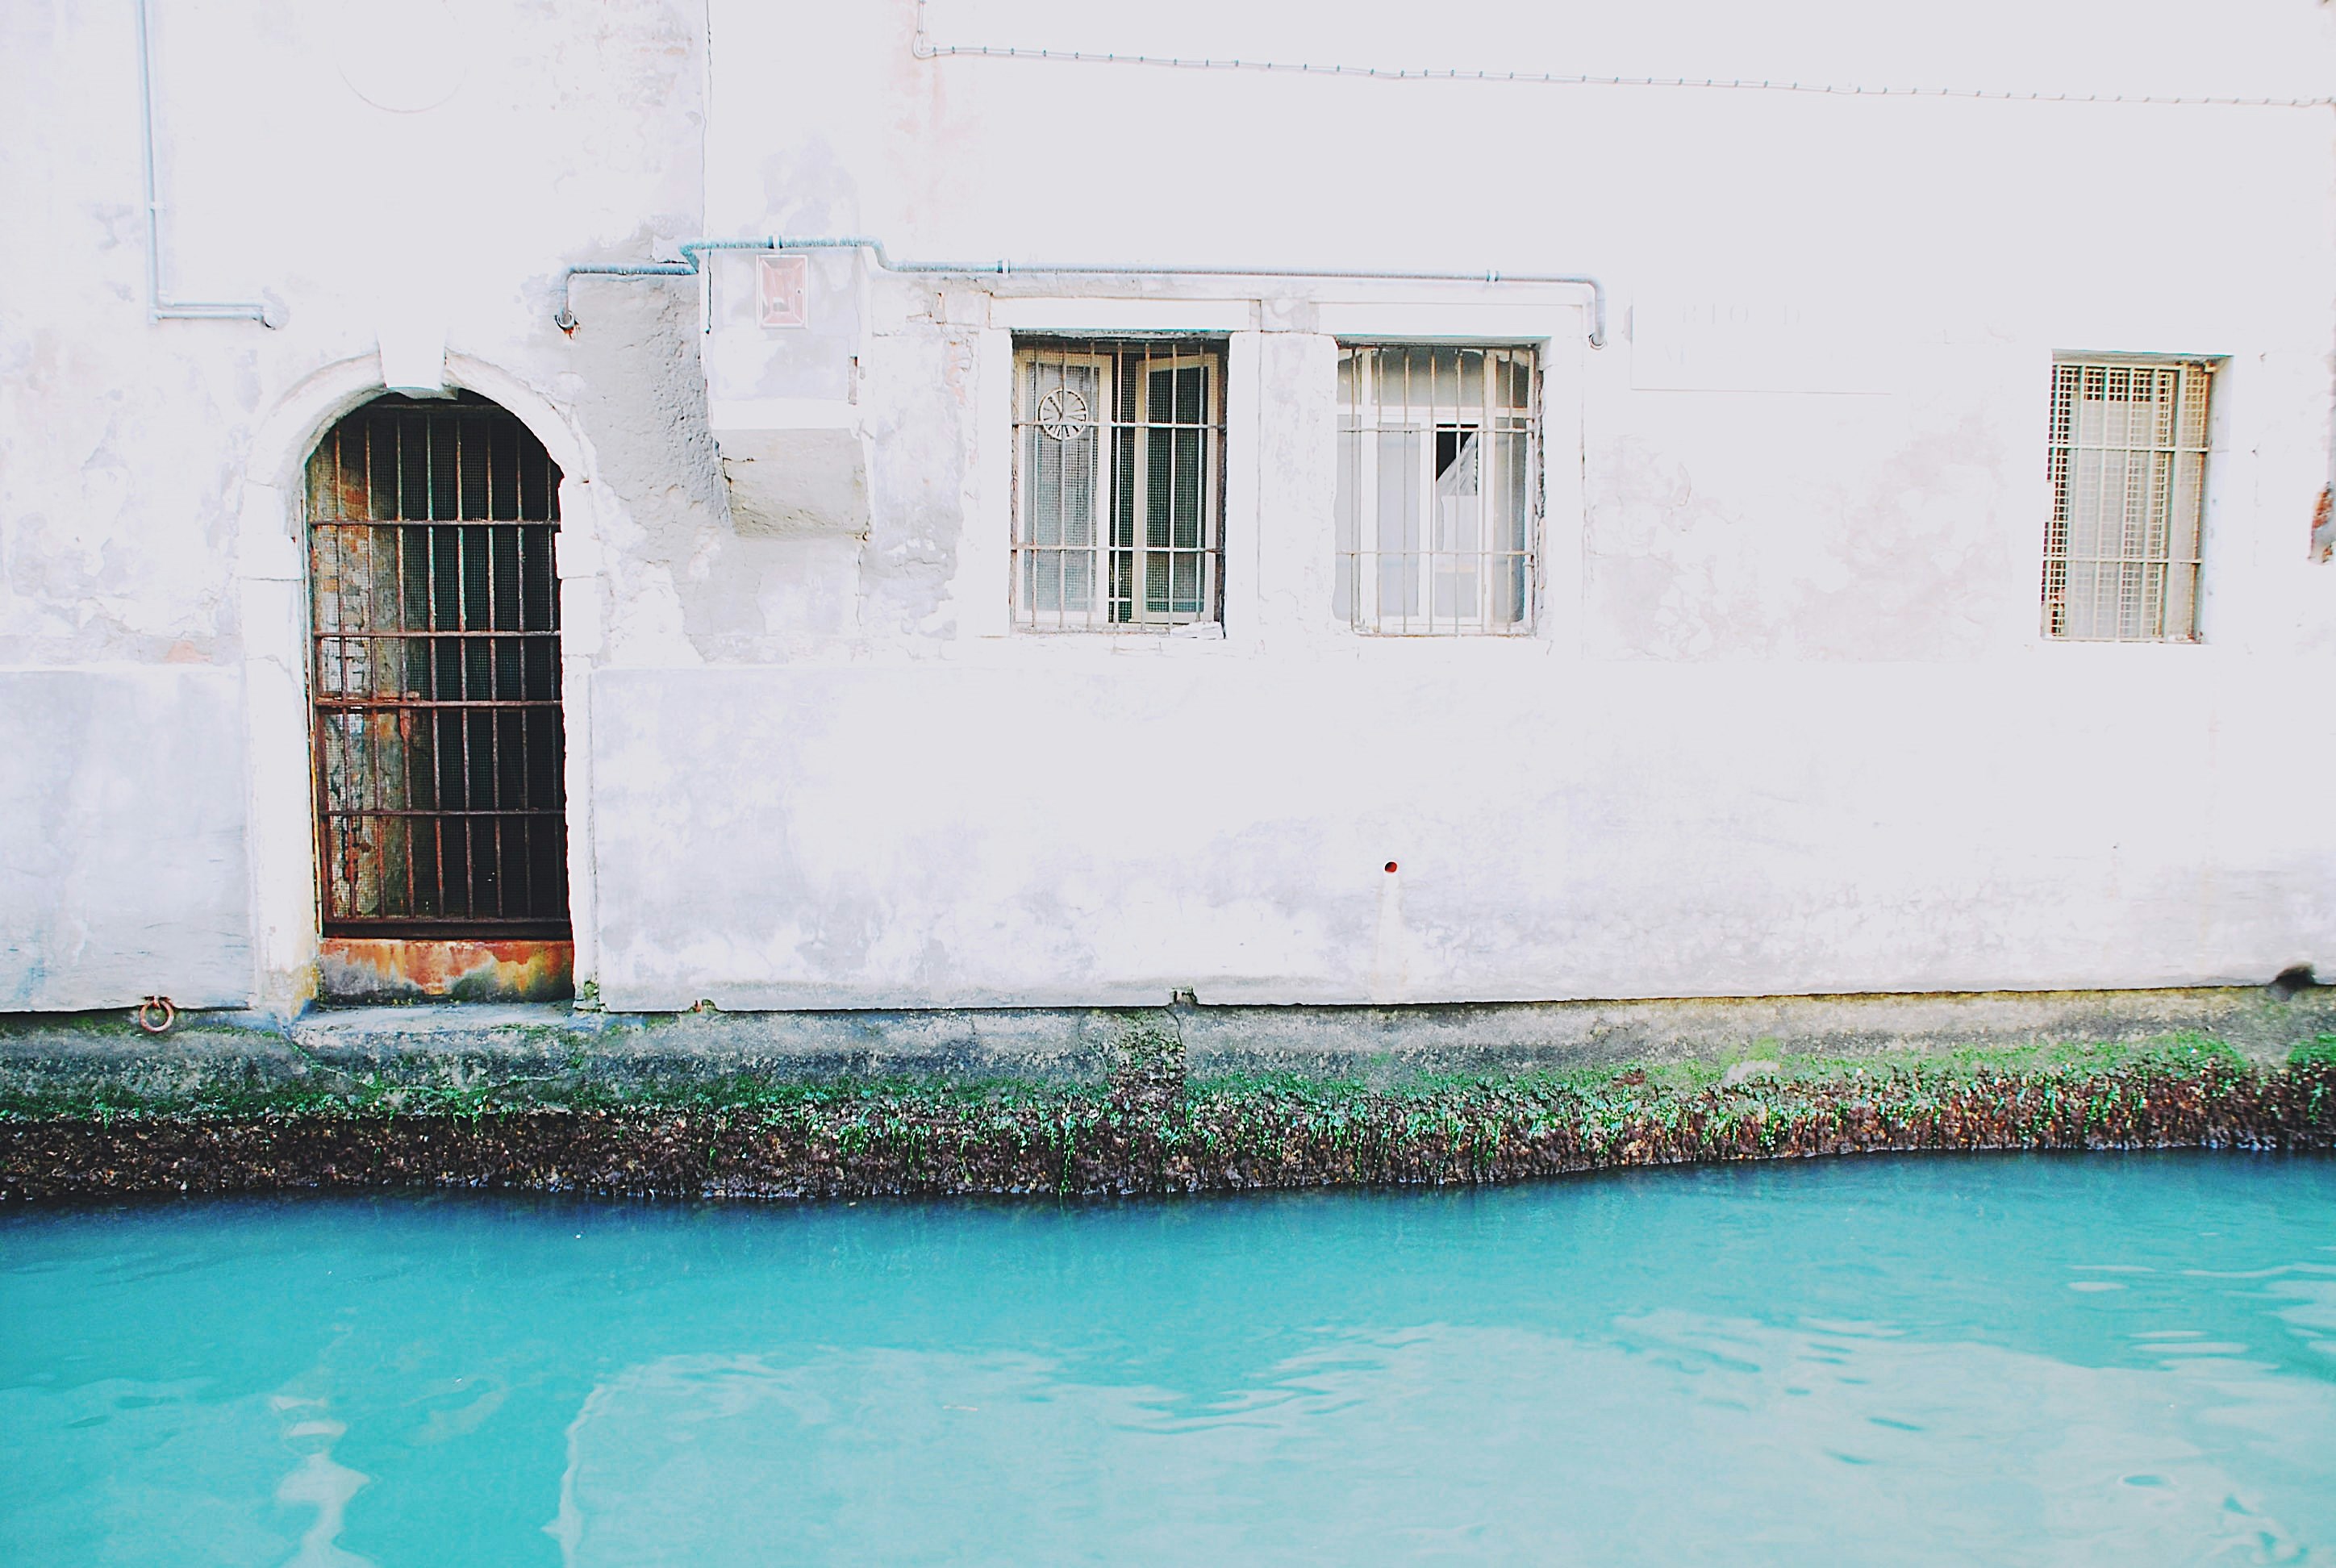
x: 1062, y: 413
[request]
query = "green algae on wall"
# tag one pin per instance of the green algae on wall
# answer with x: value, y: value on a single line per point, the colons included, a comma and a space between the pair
x: 1150, y: 1129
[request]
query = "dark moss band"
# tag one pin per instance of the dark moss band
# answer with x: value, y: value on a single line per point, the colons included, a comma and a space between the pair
x: 1150, y: 1129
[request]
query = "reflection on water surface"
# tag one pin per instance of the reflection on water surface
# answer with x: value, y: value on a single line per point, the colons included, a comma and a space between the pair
x: 2015, y: 1359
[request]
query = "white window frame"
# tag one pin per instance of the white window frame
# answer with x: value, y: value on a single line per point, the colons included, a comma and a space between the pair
x: 1359, y: 571
x: 1105, y: 358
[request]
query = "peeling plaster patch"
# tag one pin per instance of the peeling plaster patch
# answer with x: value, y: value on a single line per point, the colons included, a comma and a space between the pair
x: 118, y: 224
x: 1652, y: 551
x: 807, y: 592
x: 643, y: 398
x: 1907, y: 563
x: 122, y: 840
x: 807, y: 189
x: 917, y: 491
x: 247, y: 390
x: 686, y: 586
x: 135, y: 559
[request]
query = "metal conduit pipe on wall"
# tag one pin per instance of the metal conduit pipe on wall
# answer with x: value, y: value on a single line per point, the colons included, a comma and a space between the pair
x: 158, y: 307
x: 693, y: 251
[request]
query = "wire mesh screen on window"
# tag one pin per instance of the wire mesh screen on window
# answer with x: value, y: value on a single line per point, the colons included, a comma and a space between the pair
x: 2128, y: 463
x: 1436, y: 489
x: 1119, y: 472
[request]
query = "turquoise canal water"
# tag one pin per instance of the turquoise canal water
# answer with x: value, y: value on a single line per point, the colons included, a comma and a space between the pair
x: 2102, y: 1359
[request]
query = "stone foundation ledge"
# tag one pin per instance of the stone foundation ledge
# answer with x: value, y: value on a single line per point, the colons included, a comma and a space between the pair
x: 1176, y: 1099
x: 552, y: 1051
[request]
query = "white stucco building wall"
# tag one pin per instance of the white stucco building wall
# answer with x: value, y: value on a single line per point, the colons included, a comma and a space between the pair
x: 1785, y: 723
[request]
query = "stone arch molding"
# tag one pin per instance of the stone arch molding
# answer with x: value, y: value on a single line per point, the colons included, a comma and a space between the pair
x: 272, y: 583
x: 289, y: 433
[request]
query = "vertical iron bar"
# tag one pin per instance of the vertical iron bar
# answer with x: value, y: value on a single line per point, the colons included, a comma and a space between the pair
x: 495, y: 726
x: 1489, y: 364
x: 1492, y: 477
x: 322, y: 783
x: 525, y: 783
x: 405, y: 649
x: 1405, y: 539
x: 465, y: 714
x: 437, y: 721
x: 1139, y: 511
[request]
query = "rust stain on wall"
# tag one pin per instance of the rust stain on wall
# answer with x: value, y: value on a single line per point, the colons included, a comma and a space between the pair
x: 405, y: 969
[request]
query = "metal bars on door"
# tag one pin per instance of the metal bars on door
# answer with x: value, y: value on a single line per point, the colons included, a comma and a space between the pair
x: 1119, y: 484
x: 2128, y: 468
x: 1438, y: 489
x: 436, y: 618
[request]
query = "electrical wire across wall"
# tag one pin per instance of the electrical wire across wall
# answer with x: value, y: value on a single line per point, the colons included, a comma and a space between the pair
x: 924, y: 48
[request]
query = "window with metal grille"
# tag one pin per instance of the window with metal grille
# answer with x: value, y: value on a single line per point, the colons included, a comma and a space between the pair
x: 1119, y: 483
x: 1438, y: 489
x: 2129, y: 460
x: 439, y: 746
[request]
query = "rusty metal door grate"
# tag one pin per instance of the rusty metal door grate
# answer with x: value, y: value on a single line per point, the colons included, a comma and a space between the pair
x: 439, y: 746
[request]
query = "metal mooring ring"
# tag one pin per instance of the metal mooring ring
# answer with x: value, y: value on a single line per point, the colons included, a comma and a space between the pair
x: 156, y: 1015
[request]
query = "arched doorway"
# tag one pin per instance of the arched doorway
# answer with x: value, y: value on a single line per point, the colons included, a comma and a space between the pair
x: 438, y: 749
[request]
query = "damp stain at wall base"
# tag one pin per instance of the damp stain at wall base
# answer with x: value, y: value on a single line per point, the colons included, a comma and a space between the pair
x: 398, y: 969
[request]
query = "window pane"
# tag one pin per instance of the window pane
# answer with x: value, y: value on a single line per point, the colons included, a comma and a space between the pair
x: 1398, y: 522
x: 1174, y: 476
x: 1458, y: 522
x: 1120, y: 507
x: 1437, y: 489
x: 1344, y: 508
x: 1060, y: 458
x: 2127, y: 467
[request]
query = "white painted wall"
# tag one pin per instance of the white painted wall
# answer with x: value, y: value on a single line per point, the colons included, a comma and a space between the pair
x: 150, y: 471
x: 1786, y: 725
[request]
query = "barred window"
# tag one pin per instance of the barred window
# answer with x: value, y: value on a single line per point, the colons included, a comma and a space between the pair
x: 1438, y: 489
x: 2128, y: 457
x: 1119, y: 483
